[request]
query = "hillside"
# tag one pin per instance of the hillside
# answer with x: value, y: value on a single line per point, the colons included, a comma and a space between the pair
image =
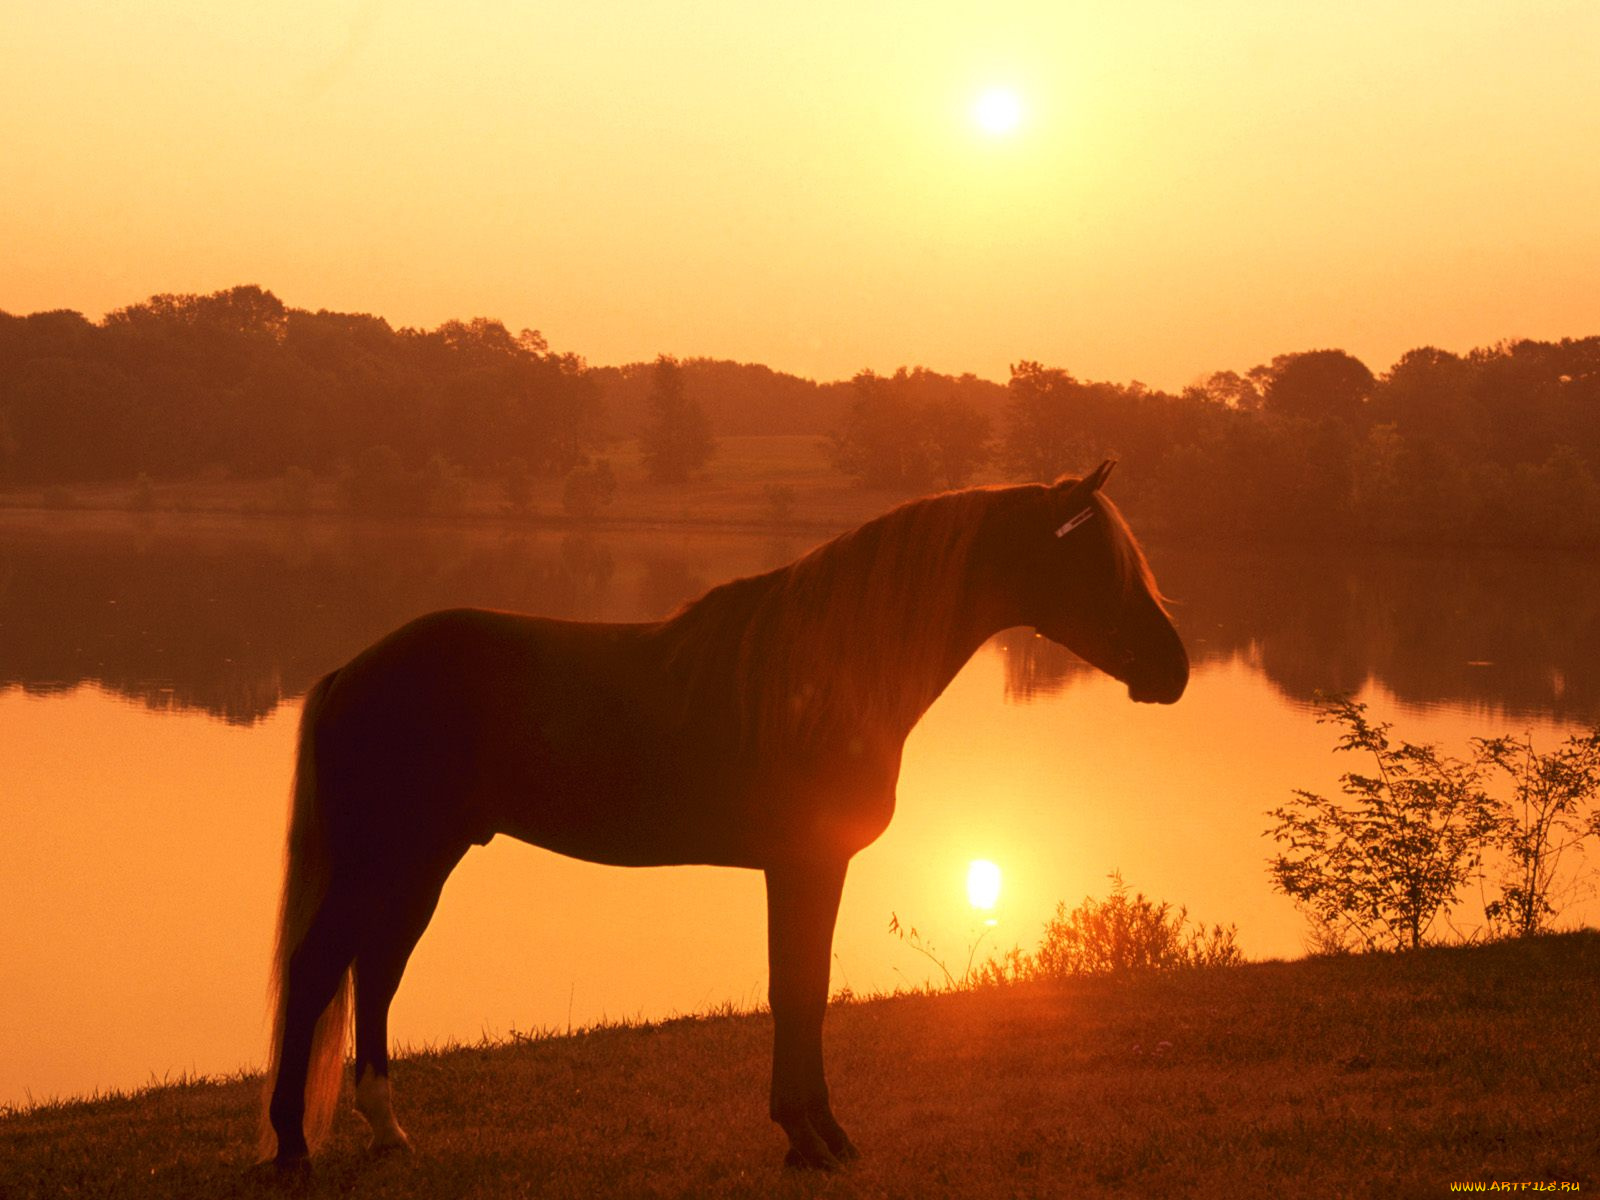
x: 1369, y: 1076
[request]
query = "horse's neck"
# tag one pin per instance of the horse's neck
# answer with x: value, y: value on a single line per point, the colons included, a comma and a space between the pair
x: 982, y: 613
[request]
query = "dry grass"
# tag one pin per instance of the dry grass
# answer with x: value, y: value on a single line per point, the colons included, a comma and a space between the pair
x: 1369, y: 1076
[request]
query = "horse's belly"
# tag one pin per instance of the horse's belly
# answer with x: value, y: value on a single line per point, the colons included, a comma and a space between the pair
x: 629, y: 832
x: 624, y: 807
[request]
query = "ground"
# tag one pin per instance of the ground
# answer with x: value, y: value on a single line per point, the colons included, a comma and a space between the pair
x: 1383, y: 1075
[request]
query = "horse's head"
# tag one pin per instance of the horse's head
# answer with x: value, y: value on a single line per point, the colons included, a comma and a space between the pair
x: 1089, y: 588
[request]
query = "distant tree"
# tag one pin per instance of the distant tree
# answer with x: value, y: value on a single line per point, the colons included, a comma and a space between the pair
x: 1229, y: 389
x: 958, y: 436
x: 1555, y: 501
x: 1318, y: 383
x: 876, y: 443
x: 1432, y: 394
x: 677, y: 444
x: 517, y: 485
x: 740, y: 399
x: 910, y: 432
x: 589, y: 487
x: 1044, y: 433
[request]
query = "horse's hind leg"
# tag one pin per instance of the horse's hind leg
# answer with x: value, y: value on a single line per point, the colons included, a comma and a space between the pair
x: 315, y: 972
x: 389, y: 935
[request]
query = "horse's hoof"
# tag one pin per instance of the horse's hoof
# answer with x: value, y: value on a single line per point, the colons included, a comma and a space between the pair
x: 293, y: 1170
x: 390, y: 1149
x: 819, y: 1160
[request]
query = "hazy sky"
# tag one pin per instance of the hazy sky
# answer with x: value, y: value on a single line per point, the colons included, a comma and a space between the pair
x: 1192, y: 186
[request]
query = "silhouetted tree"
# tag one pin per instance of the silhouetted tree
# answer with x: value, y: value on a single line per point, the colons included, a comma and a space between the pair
x: 1045, y: 435
x: 958, y: 436
x: 876, y: 443
x: 1228, y: 388
x: 1431, y: 394
x: 677, y: 444
x: 911, y: 431
x: 1318, y: 383
x: 739, y: 398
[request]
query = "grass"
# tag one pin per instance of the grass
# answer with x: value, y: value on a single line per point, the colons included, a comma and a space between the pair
x: 1381, y: 1075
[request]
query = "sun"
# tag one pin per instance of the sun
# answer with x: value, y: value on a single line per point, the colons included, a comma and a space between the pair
x: 998, y: 111
x: 983, y: 885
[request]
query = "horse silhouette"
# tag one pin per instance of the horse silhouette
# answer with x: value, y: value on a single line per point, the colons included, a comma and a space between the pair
x: 760, y: 727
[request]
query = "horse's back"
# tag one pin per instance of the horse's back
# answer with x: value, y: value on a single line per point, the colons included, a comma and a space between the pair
x: 468, y: 722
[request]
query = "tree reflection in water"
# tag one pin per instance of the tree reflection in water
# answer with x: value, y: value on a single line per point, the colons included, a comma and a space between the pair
x: 234, y: 617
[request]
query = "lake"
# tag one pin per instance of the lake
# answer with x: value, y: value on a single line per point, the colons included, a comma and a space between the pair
x: 151, y: 671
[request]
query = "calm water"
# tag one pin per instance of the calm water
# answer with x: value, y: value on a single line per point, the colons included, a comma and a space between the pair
x: 150, y: 681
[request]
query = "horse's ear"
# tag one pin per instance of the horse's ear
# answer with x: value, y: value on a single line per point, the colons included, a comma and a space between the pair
x: 1101, y: 473
x: 1092, y: 482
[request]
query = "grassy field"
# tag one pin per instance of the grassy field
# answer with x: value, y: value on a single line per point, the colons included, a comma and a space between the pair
x: 1367, y: 1076
x: 734, y: 491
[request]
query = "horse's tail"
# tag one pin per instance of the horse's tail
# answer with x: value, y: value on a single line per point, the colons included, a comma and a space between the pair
x: 307, y: 873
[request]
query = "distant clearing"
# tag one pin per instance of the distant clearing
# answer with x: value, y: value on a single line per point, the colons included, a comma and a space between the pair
x: 734, y: 491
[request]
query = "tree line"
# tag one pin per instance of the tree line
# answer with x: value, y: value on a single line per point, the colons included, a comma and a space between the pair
x: 1500, y: 445
x: 237, y: 380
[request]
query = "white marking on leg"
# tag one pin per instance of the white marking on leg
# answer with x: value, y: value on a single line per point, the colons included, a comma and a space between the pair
x: 373, y: 1103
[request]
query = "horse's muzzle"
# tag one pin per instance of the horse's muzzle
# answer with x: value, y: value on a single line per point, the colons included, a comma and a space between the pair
x: 1162, y: 685
x: 1162, y: 693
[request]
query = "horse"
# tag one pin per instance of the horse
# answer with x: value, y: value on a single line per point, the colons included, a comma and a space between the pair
x: 761, y: 727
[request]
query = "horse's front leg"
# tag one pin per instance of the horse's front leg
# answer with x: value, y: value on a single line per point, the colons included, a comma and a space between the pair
x: 802, y: 905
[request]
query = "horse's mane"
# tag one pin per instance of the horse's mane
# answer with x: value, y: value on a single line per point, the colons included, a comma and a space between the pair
x: 1133, y: 568
x: 846, y: 640
x: 852, y: 638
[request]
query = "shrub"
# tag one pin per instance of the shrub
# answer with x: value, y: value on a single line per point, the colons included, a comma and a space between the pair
x: 1378, y: 870
x: 1381, y: 865
x: 1129, y: 933
x: 1539, y: 823
x: 1119, y: 934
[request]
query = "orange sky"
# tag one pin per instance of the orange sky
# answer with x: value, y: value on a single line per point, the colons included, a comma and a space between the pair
x: 1193, y: 186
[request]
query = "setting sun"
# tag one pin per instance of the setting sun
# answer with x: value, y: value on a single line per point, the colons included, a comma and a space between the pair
x: 998, y: 111
x: 983, y: 885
